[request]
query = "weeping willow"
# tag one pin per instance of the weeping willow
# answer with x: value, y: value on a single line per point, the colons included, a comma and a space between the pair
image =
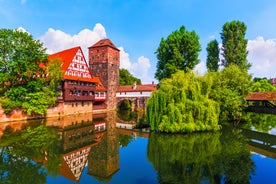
x: 182, y: 104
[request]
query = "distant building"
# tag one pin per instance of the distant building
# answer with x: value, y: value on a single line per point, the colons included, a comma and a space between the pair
x: 134, y: 90
x: 273, y: 81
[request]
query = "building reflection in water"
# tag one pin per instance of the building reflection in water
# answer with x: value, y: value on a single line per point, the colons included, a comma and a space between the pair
x: 91, y: 139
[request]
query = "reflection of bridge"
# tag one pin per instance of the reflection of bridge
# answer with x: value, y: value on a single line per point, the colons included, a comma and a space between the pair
x: 262, y: 102
x: 262, y: 143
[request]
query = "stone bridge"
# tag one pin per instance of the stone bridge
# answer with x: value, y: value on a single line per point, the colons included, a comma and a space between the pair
x: 137, y: 94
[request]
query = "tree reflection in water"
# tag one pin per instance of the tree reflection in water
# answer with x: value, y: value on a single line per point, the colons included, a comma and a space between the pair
x: 18, y: 150
x: 201, y: 157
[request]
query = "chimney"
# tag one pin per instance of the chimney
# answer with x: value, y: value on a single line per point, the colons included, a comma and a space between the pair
x: 134, y: 86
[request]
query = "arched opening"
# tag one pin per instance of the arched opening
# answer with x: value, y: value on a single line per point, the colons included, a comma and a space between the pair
x: 125, y: 105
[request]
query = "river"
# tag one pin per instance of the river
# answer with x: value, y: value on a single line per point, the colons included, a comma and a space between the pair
x: 103, y: 149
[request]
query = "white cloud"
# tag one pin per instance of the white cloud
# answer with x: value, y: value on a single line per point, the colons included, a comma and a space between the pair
x: 57, y: 40
x: 125, y: 61
x: 262, y: 56
x: 23, y: 1
x: 201, y: 67
x: 139, y: 69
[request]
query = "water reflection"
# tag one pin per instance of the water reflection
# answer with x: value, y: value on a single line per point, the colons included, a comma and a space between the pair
x: 87, y: 146
x: 260, y: 122
x: 26, y: 152
x: 198, y: 158
x: 63, y: 147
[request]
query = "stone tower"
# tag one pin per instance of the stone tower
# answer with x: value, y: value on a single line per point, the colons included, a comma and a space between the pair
x: 104, y: 62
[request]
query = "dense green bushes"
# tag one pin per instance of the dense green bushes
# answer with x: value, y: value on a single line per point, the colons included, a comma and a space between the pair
x: 28, y: 81
x: 187, y: 102
x: 182, y: 104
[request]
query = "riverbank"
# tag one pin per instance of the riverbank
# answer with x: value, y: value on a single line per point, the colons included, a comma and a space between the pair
x: 60, y: 110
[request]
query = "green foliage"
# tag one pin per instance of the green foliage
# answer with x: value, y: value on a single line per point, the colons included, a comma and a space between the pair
x: 263, y: 85
x: 124, y: 140
x: 230, y: 88
x: 212, y: 56
x: 23, y: 68
x: 234, y: 45
x: 125, y: 104
x: 260, y: 122
x: 19, y: 149
x: 19, y: 57
x: 182, y: 104
x: 127, y: 78
x: 127, y: 114
x: 201, y: 157
x: 179, y: 51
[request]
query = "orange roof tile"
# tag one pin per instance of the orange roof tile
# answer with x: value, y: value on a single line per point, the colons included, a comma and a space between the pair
x: 260, y: 96
x: 68, y: 77
x: 104, y: 42
x: 143, y: 87
x: 66, y: 57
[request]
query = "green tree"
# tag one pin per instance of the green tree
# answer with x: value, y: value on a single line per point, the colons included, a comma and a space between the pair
x: 127, y: 78
x: 18, y: 150
x: 234, y: 45
x: 179, y: 51
x: 20, y: 56
x: 212, y: 56
x: 230, y: 88
x: 263, y: 85
x: 27, y: 79
x: 182, y: 104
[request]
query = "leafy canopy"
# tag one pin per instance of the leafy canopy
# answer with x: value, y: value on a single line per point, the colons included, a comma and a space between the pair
x: 263, y: 85
x: 182, y: 104
x: 27, y: 79
x: 230, y: 88
x: 212, y: 56
x: 127, y: 78
x: 179, y: 51
x: 234, y: 45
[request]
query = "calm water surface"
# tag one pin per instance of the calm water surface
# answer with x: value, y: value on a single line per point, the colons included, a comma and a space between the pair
x: 82, y: 149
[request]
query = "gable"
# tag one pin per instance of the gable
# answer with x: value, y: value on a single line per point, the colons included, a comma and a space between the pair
x: 78, y: 66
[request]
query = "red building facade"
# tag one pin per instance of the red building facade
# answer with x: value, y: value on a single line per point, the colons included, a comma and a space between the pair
x: 79, y: 87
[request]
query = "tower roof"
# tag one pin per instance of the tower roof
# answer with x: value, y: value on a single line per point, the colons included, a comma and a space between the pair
x: 104, y: 42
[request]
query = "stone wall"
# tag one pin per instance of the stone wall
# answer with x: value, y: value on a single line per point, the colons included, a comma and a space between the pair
x: 61, y: 109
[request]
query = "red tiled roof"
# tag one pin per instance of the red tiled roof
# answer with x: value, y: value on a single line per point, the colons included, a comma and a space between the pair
x: 66, y: 57
x: 260, y: 96
x: 104, y: 42
x: 99, y: 86
x: 143, y: 87
x: 93, y: 79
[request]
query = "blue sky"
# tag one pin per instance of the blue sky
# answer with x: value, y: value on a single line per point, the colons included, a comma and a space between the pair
x: 137, y: 26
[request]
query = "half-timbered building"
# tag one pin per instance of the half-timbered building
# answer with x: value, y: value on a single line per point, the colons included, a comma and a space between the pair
x: 79, y: 87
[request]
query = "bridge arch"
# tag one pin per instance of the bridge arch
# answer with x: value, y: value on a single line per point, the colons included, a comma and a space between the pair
x: 137, y: 103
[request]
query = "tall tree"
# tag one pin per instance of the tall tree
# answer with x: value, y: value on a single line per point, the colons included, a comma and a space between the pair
x: 179, y: 51
x: 234, y: 45
x: 230, y: 88
x: 212, y: 56
x: 23, y: 70
x: 127, y: 78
